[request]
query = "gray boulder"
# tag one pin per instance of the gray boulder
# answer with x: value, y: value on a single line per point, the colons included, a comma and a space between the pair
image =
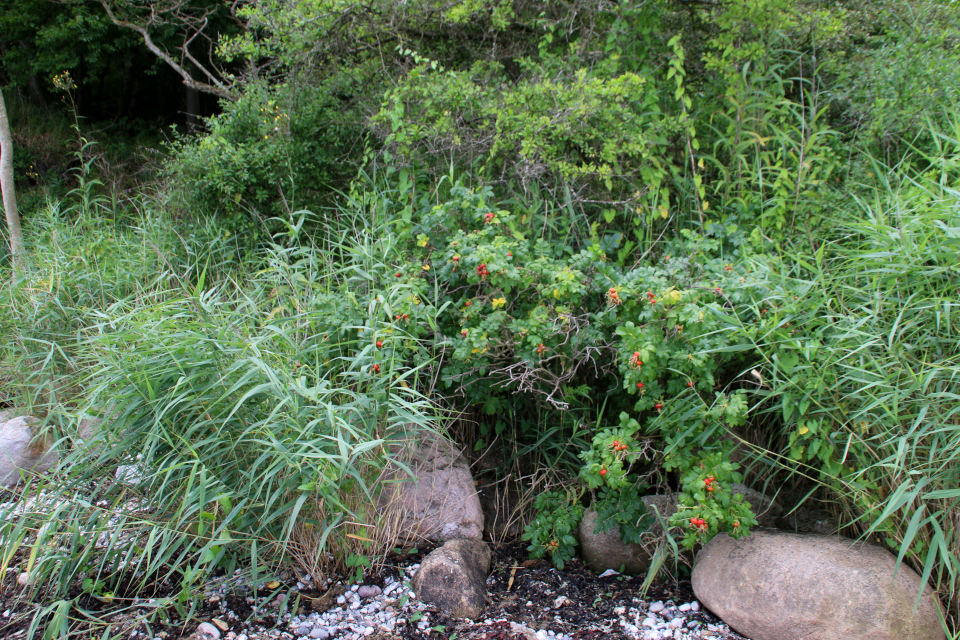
x: 454, y: 578
x: 21, y: 451
x: 440, y: 501
x: 602, y: 551
x: 774, y: 585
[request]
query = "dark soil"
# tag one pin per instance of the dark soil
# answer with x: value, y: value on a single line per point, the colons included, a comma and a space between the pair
x: 521, y: 591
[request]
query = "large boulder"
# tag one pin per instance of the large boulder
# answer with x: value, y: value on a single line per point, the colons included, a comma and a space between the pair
x: 454, y: 578
x: 439, y: 501
x: 774, y: 585
x: 602, y: 551
x: 22, y: 451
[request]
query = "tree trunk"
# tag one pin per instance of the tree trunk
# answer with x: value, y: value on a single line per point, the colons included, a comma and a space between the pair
x: 6, y: 186
x: 193, y: 110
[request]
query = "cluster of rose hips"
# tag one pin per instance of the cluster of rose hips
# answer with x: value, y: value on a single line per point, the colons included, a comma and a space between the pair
x: 403, y: 316
x: 488, y: 217
x: 635, y: 359
x: 613, y: 297
x: 540, y: 349
x: 376, y: 368
x: 698, y: 523
x: 619, y: 446
x: 709, y: 482
x: 651, y: 298
x: 482, y: 271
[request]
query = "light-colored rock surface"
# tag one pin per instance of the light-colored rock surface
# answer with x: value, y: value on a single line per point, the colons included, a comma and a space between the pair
x: 440, y: 502
x: 454, y: 577
x: 206, y: 631
x: 21, y: 451
x: 602, y: 551
x: 774, y: 585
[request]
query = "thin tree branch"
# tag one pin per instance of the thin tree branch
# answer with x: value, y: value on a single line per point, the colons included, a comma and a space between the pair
x: 216, y: 88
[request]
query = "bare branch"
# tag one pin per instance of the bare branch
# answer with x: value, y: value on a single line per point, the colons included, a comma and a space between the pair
x: 214, y: 87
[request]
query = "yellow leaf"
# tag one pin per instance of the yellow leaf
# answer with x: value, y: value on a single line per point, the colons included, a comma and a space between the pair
x: 356, y: 537
x: 498, y: 302
x: 273, y: 584
x: 556, y: 293
x: 803, y: 430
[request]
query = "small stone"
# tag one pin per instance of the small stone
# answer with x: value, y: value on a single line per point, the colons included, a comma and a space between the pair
x: 657, y: 607
x: 676, y: 623
x: 23, y: 579
x: 220, y: 624
x: 684, y: 607
x: 695, y: 606
x: 608, y: 573
x: 368, y: 591
x: 560, y: 602
x: 303, y: 630
x: 206, y: 631
x: 650, y: 622
x: 319, y: 634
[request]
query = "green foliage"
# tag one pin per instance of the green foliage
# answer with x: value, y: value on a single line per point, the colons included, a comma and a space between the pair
x: 253, y: 408
x: 673, y: 213
x: 268, y: 152
x: 854, y: 349
x: 898, y: 70
x: 708, y: 506
x: 552, y: 530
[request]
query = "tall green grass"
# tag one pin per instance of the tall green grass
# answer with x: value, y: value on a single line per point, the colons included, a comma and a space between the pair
x: 254, y: 408
x: 856, y: 338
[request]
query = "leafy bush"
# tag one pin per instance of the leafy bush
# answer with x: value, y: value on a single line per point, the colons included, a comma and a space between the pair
x: 272, y: 151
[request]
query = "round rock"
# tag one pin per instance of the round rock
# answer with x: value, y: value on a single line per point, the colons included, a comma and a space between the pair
x: 206, y: 631
x: 774, y: 585
x: 453, y: 577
